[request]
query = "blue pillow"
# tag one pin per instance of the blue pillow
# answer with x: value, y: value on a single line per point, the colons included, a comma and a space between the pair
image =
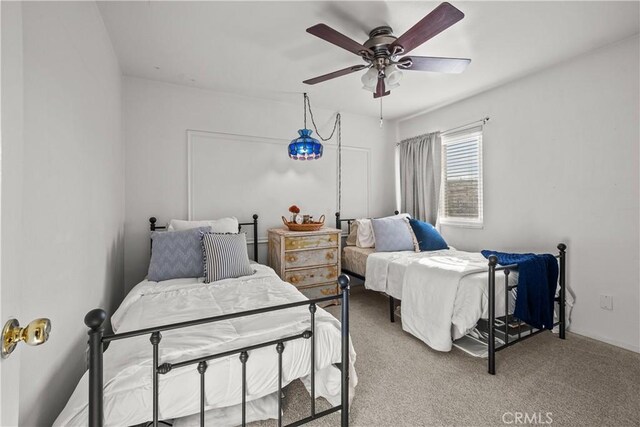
x: 392, y: 234
x: 176, y: 254
x: 428, y: 237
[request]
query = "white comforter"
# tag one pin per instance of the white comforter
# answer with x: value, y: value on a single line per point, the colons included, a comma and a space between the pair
x: 128, y: 364
x: 444, y: 293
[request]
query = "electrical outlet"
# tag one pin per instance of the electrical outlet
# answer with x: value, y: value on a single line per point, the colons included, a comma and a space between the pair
x: 606, y: 302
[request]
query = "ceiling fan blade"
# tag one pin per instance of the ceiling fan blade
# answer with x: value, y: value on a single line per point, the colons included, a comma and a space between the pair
x: 380, y: 89
x: 335, y: 74
x: 440, y: 18
x: 332, y: 36
x: 434, y: 64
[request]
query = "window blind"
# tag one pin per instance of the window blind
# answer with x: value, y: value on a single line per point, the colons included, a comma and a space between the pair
x: 461, y: 198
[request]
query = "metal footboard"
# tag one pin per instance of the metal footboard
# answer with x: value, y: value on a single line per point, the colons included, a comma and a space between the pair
x: 500, y: 325
x: 97, y: 339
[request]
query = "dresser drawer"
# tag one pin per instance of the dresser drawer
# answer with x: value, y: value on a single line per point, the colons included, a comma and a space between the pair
x: 310, y: 258
x: 311, y: 276
x: 320, y: 291
x: 309, y: 242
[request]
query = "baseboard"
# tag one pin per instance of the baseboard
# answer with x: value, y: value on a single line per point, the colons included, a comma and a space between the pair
x: 607, y: 340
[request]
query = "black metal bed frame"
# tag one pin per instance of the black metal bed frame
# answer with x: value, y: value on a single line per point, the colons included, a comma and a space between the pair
x: 501, y: 324
x: 349, y: 221
x: 254, y: 223
x: 97, y: 340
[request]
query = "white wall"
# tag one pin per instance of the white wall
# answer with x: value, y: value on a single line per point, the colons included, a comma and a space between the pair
x: 70, y: 251
x: 157, y: 116
x: 561, y: 164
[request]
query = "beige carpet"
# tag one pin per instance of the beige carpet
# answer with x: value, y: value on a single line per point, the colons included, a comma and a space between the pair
x: 402, y: 382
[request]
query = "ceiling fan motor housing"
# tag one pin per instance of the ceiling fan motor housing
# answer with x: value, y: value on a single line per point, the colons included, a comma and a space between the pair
x: 380, y: 38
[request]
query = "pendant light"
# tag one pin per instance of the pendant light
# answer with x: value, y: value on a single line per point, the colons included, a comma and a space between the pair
x: 305, y: 147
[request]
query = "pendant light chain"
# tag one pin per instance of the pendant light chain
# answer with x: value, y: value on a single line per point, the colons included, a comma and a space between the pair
x: 304, y: 101
x: 337, y: 124
x: 313, y: 121
x: 339, y: 201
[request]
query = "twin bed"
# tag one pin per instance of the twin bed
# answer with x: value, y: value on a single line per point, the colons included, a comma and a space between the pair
x: 220, y: 353
x: 448, y: 294
x: 217, y: 353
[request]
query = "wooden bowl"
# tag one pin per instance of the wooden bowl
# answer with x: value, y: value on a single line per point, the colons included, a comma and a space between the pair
x: 312, y: 226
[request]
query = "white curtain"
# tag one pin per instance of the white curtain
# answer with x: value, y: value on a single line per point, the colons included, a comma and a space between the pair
x: 419, y: 159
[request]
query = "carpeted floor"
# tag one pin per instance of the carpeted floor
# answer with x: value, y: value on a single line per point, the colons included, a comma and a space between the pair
x: 402, y: 382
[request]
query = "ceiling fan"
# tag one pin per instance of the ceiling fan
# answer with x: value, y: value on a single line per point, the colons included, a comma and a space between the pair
x: 382, y: 50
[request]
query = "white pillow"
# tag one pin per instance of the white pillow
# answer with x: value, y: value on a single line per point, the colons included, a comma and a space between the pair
x: 222, y: 225
x: 365, y: 237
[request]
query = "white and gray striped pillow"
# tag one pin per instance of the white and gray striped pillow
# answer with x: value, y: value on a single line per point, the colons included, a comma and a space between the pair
x: 225, y: 256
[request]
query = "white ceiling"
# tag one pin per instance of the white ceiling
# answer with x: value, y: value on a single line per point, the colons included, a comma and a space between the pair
x: 261, y: 49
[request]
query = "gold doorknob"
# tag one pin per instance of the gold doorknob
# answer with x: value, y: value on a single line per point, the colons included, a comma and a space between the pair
x: 35, y: 333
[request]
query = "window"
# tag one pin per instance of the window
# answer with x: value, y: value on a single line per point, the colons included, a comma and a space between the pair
x: 461, y: 197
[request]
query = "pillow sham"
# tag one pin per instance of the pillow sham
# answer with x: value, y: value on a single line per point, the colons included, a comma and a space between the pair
x: 222, y: 225
x: 365, y: 237
x: 393, y: 234
x: 428, y: 237
x: 176, y: 255
x: 225, y: 256
x: 364, y: 234
x: 352, y: 238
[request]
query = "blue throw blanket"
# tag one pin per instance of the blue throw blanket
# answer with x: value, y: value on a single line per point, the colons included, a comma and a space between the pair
x: 537, y: 279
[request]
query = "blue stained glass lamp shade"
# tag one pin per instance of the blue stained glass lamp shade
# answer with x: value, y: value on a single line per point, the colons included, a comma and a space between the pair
x: 305, y: 147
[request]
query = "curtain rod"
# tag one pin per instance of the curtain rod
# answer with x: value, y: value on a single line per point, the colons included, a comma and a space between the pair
x: 483, y: 120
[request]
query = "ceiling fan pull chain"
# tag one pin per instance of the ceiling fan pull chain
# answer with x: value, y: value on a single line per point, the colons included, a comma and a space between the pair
x: 380, y: 112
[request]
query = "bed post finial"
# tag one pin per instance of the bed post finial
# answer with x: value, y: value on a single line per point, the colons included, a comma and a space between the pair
x: 493, y: 260
x: 396, y: 212
x: 94, y: 320
x: 338, y: 224
x: 152, y: 223
x: 563, y: 290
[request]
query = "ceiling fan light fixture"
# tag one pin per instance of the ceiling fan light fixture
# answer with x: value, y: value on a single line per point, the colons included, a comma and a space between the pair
x: 392, y: 77
x: 370, y: 79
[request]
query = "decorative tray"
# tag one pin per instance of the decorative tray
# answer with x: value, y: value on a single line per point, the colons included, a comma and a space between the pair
x: 311, y: 226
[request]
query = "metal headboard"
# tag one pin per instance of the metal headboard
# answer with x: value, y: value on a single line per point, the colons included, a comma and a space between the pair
x: 349, y: 221
x: 254, y: 223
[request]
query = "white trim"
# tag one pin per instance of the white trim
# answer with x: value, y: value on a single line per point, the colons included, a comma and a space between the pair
x: 266, y: 140
x: 604, y: 339
x: 461, y: 223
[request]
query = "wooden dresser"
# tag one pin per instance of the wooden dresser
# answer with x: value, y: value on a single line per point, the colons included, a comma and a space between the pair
x: 308, y: 260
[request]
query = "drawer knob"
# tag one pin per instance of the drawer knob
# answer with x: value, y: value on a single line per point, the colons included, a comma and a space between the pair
x: 294, y: 279
x: 329, y: 255
x: 292, y: 258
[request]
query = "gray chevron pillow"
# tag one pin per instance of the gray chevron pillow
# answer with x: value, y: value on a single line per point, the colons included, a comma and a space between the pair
x: 176, y: 254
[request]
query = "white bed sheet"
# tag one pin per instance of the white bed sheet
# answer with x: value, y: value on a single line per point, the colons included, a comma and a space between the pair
x: 386, y: 273
x: 128, y: 364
